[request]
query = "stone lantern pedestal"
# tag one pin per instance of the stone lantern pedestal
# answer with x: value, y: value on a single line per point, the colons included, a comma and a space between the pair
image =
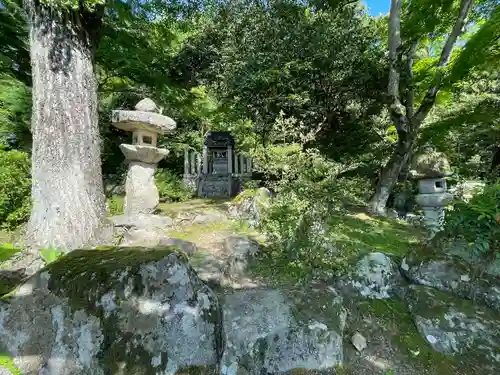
x: 141, y: 193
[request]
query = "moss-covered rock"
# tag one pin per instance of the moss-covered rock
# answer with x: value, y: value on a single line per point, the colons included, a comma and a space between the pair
x: 250, y: 205
x: 374, y: 276
x: 118, y: 311
x: 395, y: 346
x: 452, y: 274
x: 455, y: 326
x: 270, y: 331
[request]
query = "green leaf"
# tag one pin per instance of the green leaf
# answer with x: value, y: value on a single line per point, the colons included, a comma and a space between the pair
x: 50, y: 255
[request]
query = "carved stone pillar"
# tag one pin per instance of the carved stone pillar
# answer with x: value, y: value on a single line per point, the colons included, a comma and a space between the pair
x: 205, y: 159
x: 186, y: 161
x: 242, y: 164
x: 230, y: 160
x: 249, y: 165
x: 192, y: 164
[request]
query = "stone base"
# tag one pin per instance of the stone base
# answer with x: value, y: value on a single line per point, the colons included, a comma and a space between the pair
x: 141, y: 193
x: 215, y: 186
x: 433, y: 219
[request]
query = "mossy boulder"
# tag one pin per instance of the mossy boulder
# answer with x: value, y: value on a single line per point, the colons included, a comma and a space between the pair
x: 271, y: 331
x: 452, y: 274
x: 250, y: 205
x: 375, y: 276
x: 121, y: 311
x: 455, y: 326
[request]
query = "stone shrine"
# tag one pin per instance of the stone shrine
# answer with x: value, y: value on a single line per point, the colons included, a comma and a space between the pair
x: 145, y: 123
x: 219, y: 171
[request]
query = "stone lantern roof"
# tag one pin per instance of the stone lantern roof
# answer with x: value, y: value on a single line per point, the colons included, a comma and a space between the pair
x: 145, y: 117
x: 430, y: 164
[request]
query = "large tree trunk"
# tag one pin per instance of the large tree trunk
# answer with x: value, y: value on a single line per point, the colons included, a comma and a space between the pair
x: 389, y: 176
x: 408, y: 125
x: 67, y: 191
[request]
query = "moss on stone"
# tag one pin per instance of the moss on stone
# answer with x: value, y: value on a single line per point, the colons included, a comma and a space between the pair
x: 247, y: 193
x: 7, y: 362
x: 406, y: 337
x: 83, y: 276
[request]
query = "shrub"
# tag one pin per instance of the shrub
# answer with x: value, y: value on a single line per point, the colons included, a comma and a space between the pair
x: 115, y: 205
x: 15, y: 188
x: 477, y: 222
x: 296, y: 224
x: 170, y: 186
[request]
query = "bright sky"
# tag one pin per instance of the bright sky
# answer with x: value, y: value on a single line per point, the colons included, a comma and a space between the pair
x: 378, y: 6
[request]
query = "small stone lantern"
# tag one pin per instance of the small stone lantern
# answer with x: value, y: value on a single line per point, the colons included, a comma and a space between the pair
x: 431, y: 171
x: 145, y: 123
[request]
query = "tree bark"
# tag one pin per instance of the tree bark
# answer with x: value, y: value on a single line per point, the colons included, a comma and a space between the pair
x: 408, y: 126
x: 391, y: 171
x: 67, y: 189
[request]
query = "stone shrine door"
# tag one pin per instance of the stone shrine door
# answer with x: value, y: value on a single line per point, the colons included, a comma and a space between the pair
x: 219, y: 162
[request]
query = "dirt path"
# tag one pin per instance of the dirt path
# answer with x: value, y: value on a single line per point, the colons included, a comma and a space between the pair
x: 207, y: 224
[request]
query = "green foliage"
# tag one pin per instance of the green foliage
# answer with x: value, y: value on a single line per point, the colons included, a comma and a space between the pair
x: 116, y: 205
x: 87, y: 5
x: 7, y: 250
x: 170, y: 186
x: 478, y: 221
x: 307, y: 228
x: 15, y: 112
x: 15, y: 188
x: 467, y: 130
x: 50, y: 255
x: 481, y: 50
x: 321, y: 67
x: 14, y: 49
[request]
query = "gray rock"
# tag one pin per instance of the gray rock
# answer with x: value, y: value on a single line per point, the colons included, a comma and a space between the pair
x: 141, y: 221
x: 251, y: 207
x: 461, y: 249
x: 141, y: 229
x: 146, y: 105
x: 451, y: 274
x: 273, y: 332
x: 375, y: 276
x: 455, y: 326
x: 207, y: 218
x: 359, y: 342
x: 186, y: 247
x: 241, y: 252
x: 414, y: 219
x: 122, y: 311
x: 5, y: 371
x: 141, y: 237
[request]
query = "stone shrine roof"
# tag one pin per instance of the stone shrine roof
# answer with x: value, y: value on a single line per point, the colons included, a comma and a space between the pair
x: 219, y: 139
x: 144, y: 117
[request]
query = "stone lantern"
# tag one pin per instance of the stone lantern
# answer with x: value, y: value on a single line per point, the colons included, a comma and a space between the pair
x: 430, y: 171
x: 145, y: 123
